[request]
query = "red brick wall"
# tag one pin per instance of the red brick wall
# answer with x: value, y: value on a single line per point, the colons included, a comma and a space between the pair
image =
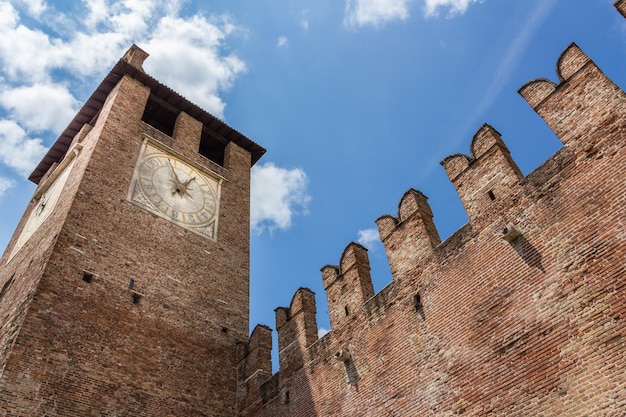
x: 86, y: 348
x: 534, y: 326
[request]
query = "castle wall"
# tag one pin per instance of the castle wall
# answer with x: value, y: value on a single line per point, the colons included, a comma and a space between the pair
x: 521, y: 312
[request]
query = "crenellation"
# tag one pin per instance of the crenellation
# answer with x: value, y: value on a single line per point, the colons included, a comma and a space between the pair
x: 484, y: 139
x: 255, y: 365
x: 489, y: 175
x: 536, y: 91
x: 348, y: 286
x: 517, y: 313
x: 330, y: 273
x: 582, y: 108
x: 411, y: 237
x: 297, y: 329
x: 455, y: 165
x: 571, y: 61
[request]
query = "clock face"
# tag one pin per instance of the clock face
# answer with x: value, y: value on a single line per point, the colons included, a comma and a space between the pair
x: 45, y: 204
x: 176, y: 190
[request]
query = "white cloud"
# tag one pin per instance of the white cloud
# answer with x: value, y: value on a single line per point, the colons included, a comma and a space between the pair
x: 304, y: 23
x: 187, y: 56
x: 277, y: 194
x: 374, y: 12
x: 35, y: 7
x: 17, y: 150
x: 377, y: 13
x: 41, y: 72
x: 321, y: 332
x: 25, y: 54
x: 368, y: 237
x: 40, y: 107
x: 5, y: 184
x: 431, y: 7
x: 282, y: 42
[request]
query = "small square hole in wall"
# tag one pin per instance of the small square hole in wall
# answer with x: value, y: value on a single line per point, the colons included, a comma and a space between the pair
x: 286, y: 398
x: 492, y: 196
x: 136, y: 298
x: 88, y: 277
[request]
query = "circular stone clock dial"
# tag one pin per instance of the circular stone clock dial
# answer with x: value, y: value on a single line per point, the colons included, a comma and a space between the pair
x: 176, y: 190
x: 45, y: 205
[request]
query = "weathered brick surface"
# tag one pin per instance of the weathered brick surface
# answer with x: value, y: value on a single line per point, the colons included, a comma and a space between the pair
x: 73, y: 348
x: 479, y: 325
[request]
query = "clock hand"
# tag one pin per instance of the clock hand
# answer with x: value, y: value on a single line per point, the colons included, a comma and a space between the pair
x: 185, y: 187
x: 174, y: 172
x: 42, y: 204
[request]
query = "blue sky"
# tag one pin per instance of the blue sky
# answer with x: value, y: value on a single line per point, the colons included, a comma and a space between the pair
x: 356, y: 101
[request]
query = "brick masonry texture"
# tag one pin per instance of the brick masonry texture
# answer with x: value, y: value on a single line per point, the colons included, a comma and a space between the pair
x: 520, y: 313
x: 75, y: 348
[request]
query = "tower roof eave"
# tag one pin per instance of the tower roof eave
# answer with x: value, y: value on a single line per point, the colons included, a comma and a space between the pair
x: 95, y: 102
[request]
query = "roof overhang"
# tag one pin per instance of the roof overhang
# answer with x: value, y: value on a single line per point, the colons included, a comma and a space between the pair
x: 94, y: 104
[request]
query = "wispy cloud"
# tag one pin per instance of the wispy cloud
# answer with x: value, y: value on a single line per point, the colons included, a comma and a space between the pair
x: 454, y: 7
x: 35, y: 7
x: 283, y: 42
x: 304, y: 21
x: 5, y: 184
x: 19, y: 152
x: 278, y: 195
x: 55, y: 105
x: 508, y: 63
x: 186, y: 54
x: 374, y: 12
x: 377, y: 13
x: 368, y: 238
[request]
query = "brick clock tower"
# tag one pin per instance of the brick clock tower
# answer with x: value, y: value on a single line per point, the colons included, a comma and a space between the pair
x: 125, y: 287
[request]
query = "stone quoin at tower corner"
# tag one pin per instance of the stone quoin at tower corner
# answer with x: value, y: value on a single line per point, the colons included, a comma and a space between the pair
x: 124, y: 290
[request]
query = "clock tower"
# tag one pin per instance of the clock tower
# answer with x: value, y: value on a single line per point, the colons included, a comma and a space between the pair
x: 124, y: 289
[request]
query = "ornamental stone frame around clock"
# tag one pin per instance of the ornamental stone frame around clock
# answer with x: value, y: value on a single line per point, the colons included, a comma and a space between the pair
x: 176, y: 189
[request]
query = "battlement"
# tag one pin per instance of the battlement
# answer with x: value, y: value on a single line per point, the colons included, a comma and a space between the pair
x: 499, y: 313
x: 297, y: 329
x: 411, y: 236
x: 255, y: 364
x: 490, y: 174
x: 347, y: 286
x: 573, y: 109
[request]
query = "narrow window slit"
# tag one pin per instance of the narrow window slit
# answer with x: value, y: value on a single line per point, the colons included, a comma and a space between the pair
x: 88, y: 277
